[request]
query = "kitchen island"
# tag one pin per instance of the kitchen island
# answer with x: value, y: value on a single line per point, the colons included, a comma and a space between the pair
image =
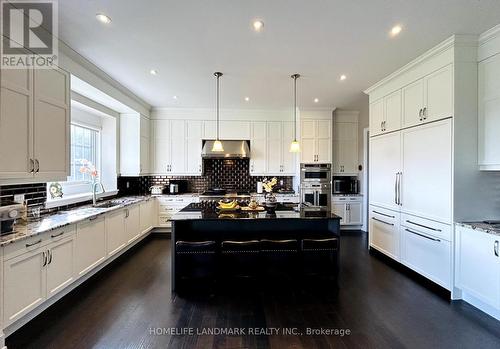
x: 206, y: 242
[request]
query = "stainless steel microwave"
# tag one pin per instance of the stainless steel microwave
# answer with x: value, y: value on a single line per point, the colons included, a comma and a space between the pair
x: 345, y: 185
x: 317, y: 173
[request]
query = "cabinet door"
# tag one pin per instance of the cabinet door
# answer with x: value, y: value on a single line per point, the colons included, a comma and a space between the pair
x: 376, y: 117
x: 24, y: 284
x: 355, y: 213
x: 193, y: 145
x: 16, y: 118
x: 160, y: 146
x: 132, y: 223
x: 209, y: 129
x: 144, y: 165
x: 340, y: 210
x: 90, y: 244
x: 392, y: 106
x: 258, y: 148
x: 308, y: 141
x: 324, y: 141
x: 116, y: 236
x: 427, y: 171
x: 51, y: 115
x: 274, y: 147
x: 288, y: 158
x: 478, y: 269
x: 60, y: 266
x: 144, y: 216
x: 413, y: 103
x: 439, y: 94
x: 385, y: 162
x: 489, y: 113
x: 231, y: 130
x: 345, y: 145
x: 178, y: 161
x: 384, y: 232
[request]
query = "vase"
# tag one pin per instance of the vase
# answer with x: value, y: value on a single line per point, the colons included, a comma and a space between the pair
x: 271, y: 203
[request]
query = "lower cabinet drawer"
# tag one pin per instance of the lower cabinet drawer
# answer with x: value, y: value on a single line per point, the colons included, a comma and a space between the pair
x: 384, y: 231
x: 164, y: 221
x: 437, y: 229
x: 427, y: 255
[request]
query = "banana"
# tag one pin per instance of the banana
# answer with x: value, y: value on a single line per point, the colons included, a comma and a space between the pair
x: 227, y: 205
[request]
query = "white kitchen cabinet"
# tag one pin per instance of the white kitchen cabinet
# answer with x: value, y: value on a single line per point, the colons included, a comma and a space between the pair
x: 60, y: 262
x: 16, y: 123
x: 146, y: 211
x: 384, y: 233
x: 349, y: 208
x: 178, y: 147
x: 274, y: 147
x: 488, y: 113
x: 427, y: 171
x: 385, y: 162
x: 429, y: 98
x: 35, y: 124
x: 90, y: 244
x: 24, y: 281
x: 258, y: 148
x: 132, y: 223
x: 376, y: 111
x: 478, y: 264
x: 316, y: 141
x: 427, y: 255
x: 134, y: 145
x: 194, y: 133
x: 234, y: 130
x: 345, y: 143
x: 116, y: 237
x: 413, y: 103
x: 288, y: 160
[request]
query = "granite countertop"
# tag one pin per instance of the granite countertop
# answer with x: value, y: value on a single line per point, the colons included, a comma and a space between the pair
x: 482, y: 226
x: 64, y: 218
x: 199, y: 212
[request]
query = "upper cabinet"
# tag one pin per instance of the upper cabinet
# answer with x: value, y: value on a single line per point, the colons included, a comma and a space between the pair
x: 489, y: 113
x: 34, y: 124
x: 134, y: 145
x: 316, y: 141
x: 424, y: 100
x: 270, y: 148
x: 345, y: 143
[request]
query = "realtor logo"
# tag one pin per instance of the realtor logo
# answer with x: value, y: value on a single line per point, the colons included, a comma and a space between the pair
x: 29, y: 34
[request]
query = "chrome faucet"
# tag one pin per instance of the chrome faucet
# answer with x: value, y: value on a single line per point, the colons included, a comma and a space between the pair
x: 94, y: 192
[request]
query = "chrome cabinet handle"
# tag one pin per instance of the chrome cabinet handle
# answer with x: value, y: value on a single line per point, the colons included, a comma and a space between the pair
x: 381, y: 125
x: 37, y: 163
x: 420, y: 114
x: 396, y: 189
x: 424, y: 113
x: 422, y: 235
x: 49, y: 252
x: 423, y: 226
x: 400, y: 174
x: 383, y: 214
x: 44, y: 256
x: 92, y: 218
x: 56, y: 235
x: 381, y: 221
x: 34, y: 243
x: 495, y: 248
x: 32, y: 166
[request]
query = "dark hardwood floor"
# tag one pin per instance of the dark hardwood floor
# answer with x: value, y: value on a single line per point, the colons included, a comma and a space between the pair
x: 381, y: 305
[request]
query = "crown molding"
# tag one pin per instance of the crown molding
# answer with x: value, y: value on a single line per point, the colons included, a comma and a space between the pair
x: 490, y: 34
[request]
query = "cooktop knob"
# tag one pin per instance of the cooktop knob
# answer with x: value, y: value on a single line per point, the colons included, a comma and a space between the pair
x: 13, y: 214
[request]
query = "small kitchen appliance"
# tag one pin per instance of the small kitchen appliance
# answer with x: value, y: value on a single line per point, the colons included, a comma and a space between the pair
x: 316, y: 173
x: 156, y: 189
x: 178, y: 186
x: 345, y: 185
x: 9, y: 212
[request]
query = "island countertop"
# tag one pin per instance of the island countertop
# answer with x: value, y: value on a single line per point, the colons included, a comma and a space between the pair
x: 196, y: 211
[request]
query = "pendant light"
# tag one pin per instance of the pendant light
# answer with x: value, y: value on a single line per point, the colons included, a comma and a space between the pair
x: 295, y: 146
x: 217, y: 144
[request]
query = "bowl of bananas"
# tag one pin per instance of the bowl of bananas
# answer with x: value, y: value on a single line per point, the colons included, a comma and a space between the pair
x: 228, y: 205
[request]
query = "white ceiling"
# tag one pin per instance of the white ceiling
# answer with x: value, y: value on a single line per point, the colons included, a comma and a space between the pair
x: 187, y: 40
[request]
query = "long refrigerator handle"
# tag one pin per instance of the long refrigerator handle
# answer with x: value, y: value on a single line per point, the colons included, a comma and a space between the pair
x: 396, y: 189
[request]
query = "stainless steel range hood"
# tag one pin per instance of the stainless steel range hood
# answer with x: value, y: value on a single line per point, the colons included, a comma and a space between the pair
x: 232, y: 150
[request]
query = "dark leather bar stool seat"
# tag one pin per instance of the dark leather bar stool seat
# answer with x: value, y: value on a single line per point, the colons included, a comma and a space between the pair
x: 320, y: 257
x: 241, y: 258
x: 196, y: 259
x: 279, y: 257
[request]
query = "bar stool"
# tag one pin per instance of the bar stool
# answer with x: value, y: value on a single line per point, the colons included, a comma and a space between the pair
x: 241, y: 258
x: 195, y: 260
x: 279, y: 258
x: 320, y: 257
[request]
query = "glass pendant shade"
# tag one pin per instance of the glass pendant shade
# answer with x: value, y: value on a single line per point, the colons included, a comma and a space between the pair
x: 217, y: 146
x: 295, y: 147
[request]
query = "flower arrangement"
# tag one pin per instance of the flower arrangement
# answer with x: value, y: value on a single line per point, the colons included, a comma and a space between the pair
x: 268, y: 184
x: 89, y: 168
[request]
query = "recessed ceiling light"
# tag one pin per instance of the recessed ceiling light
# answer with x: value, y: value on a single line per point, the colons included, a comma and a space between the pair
x: 396, y: 30
x: 343, y: 77
x: 101, y: 17
x: 316, y: 100
x: 258, y: 25
x: 247, y: 99
x: 153, y: 72
x: 174, y: 97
